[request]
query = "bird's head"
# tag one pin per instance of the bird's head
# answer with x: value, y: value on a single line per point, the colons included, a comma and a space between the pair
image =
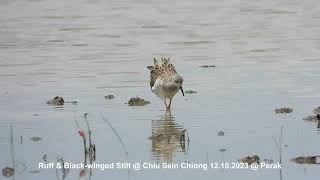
x: 178, y: 81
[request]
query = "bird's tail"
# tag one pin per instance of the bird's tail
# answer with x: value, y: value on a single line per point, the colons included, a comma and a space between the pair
x: 162, y: 60
x: 159, y: 63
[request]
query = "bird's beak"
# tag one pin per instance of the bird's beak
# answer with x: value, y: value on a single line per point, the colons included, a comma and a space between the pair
x: 181, y: 90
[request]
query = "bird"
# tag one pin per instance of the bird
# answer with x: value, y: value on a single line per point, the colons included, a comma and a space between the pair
x: 165, y: 82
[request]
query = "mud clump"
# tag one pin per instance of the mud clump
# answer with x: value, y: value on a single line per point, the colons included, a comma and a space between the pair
x: 56, y: 101
x: 110, y: 96
x: 137, y: 101
x: 251, y: 159
x: 7, y: 171
x: 307, y: 160
x: 191, y: 92
x: 283, y: 110
x: 59, y: 101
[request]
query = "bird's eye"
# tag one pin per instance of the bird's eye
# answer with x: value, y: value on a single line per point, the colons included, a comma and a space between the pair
x: 176, y: 81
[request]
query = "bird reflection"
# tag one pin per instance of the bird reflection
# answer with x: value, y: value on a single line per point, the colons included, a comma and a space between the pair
x: 168, y: 137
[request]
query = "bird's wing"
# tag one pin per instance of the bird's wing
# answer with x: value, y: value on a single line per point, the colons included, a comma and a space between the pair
x: 161, y: 69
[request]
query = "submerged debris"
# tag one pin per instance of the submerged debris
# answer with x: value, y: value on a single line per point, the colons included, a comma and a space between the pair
x: 45, y: 157
x: 220, y: 133
x: 307, y: 160
x: 72, y: 102
x: 268, y: 161
x: 56, y: 101
x: 251, y: 159
x: 7, y: 171
x: 35, y: 139
x: 191, y: 92
x: 222, y: 150
x: 316, y: 110
x: 110, y: 96
x: 137, y: 102
x: 283, y: 110
x: 34, y: 171
x: 208, y: 66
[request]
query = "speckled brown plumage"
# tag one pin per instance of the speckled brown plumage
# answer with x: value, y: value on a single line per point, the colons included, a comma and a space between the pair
x: 161, y: 69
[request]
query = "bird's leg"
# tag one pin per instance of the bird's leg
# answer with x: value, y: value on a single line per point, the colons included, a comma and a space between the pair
x: 169, y: 107
x: 165, y: 103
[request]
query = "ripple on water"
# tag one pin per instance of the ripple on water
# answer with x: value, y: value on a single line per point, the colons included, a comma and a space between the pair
x: 63, y: 17
x: 123, y: 73
x: 20, y: 64
x: 154, y: 26
x: 194, y: 42
x: 79, y: 77
x: 119, y: 86
x: 78, y: 29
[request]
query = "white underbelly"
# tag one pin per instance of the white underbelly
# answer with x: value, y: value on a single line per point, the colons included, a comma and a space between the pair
x: 163, y: 92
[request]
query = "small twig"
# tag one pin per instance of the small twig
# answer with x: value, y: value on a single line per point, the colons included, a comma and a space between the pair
x: 207, y: 157
x: 83, y: 138
x: 57, y: 174
x: 92, y: 147
x: 222, y: 155
x: 302, y: 142
x: 63, y: 169
x: 75, y: 119
x: 12, y: 150
x: 85, y: 149
x: 279, y: 147
x: 280, y: 144
x: 276, y: 142
x: 88, y: 127
x: 115, y: 132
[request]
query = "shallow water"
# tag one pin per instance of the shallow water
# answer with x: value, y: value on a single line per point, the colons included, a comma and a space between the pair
x: 266, y: 53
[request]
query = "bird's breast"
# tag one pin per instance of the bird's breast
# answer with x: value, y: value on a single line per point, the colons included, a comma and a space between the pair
x: 163, y: 89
